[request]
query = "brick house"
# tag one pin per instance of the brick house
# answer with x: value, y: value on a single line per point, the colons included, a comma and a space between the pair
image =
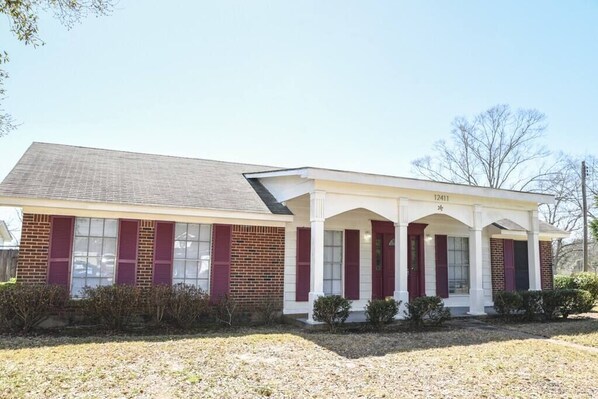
x: 95, y: 217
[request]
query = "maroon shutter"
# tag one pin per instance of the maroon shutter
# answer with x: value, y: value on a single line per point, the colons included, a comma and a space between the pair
x: 352, y: 264
x: 61, y: 242
x: 127, y: 251
x: 163, y: 252
x: 303, y: 264
x: 221, y: 260
x: 441, y: 266
x: 509, y: 263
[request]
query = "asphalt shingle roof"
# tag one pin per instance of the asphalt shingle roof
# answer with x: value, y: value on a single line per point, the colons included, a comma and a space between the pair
x: 62, y: 172
x: 506, y: 224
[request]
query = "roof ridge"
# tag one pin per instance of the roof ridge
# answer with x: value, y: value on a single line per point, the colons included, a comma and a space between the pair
x: 153, y: 154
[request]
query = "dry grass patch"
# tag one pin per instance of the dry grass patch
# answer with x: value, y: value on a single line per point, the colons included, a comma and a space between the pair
x: 284, y: 362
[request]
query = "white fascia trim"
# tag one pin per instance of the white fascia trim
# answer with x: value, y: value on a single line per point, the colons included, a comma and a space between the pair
x: 522, y: 235
x: 142, y: 209
x: 407, y: 183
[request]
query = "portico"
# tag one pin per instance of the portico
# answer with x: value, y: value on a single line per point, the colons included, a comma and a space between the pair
x: 452, y: 238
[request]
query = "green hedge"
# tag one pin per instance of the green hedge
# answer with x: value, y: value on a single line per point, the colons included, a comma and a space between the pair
x: 582, y: 281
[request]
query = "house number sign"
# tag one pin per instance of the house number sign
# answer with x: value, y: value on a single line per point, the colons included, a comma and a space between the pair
x: 441, y: 197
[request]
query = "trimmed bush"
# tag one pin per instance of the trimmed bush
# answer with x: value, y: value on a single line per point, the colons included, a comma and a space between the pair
x: 565, y: 302
x: 507, y: 304
x: 531, y: 304
x: 427, y: 310
x: 332, y: 310
x: 186, y: 304
x: 379, y: 312
x: 24, y: 307
x: 582, y: 281
x: 114, y: 306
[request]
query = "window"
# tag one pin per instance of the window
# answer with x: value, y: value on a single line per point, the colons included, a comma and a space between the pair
x: 458, y: 265
x: 192, y: 255
x: 333, y: 262
x: 94, y: 254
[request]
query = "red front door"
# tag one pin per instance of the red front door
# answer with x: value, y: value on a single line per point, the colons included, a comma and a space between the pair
x: 383, y: 260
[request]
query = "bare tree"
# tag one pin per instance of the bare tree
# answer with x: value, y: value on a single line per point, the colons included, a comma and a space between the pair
x: 498, y: 148
x: 567, y: 211
x: 23, y: 16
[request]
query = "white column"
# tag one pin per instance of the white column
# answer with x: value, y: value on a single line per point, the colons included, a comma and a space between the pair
x: 476, y: 290
x: 401, y: 292
x: 316, y: 282
x: 533, y: 252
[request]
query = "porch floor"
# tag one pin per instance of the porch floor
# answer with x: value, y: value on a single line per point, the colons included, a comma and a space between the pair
x: 358, y: 317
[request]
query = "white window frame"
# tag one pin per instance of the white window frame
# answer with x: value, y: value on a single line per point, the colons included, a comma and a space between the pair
x: 200, y: 239
x: 448, y: 257
x: 332, y: 263
x: 75, y: 255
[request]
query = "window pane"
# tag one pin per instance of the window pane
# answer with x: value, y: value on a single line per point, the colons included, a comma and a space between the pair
x: 95, y: 246
x: 336, y: 254
x: 178, y: 269
x: 179, y: 249
x: 204, y: 250
x: 177, y: 281
x: 77, y: 287
x: 328, y: 238
x: 96, y: 228
x: 193, y: 232
x: 338, y: 238
x: 107, y: 266
x: 204, y: 269
x: 110, y: 228
x: 80, y: 246
x: 191, y: 270
x: 109, y: 247
x: 328, y: 287
x: 192, y: 250
x: 180, y: 231
x: 79, y: 267
x: 336, y: 287
x: 327, y: 254
x: 93, y: 267
x: 82, y: 226
x: 205, y: 232
x: 336, y: 271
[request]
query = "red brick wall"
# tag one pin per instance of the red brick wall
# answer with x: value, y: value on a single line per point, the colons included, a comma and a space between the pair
x: 498, y: 269
x: 32, y: 265
x: 497, y: 265
x: 257, y: 259
x: 145, y: 253
x: 257, y: 265
x: 546, y: 265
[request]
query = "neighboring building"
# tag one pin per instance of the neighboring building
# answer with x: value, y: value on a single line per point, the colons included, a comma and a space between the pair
x: 94, y: 217
x: 5, y: 236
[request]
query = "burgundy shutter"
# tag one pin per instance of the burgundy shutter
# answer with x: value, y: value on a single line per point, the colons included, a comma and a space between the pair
x: 352, y: 264
x: 509, y: 264
x: 441, y: 266
x: 221, y: 260
x: 127, y: 251
x: 163, y: 252
x: 303, y: 264
x: 61, y: 242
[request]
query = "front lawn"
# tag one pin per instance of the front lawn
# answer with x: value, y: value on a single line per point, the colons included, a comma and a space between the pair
x: 287, y: 362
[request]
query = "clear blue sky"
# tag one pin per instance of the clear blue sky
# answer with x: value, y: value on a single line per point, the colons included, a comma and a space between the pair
x: 342, y: 84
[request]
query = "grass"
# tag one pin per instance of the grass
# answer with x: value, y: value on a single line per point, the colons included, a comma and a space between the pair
x: 286, y: 362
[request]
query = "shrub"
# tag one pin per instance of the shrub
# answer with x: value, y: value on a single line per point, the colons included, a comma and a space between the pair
x: 25, y: 306
x: 427, y: 310
x: 588, y: 282
x: 531, y: 302
x: 565, y: 302
x: 114, y: 305
x: 332, y: 310
x: 157, y: 300
x: 507, y: 304
x: 186, y: 304
x: 379, y: 312
x: 226, y: 311
x: 563, y: 282
x: 269, y: 311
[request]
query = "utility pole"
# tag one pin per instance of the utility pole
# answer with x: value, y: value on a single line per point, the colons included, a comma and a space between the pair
x: 584, y: 201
